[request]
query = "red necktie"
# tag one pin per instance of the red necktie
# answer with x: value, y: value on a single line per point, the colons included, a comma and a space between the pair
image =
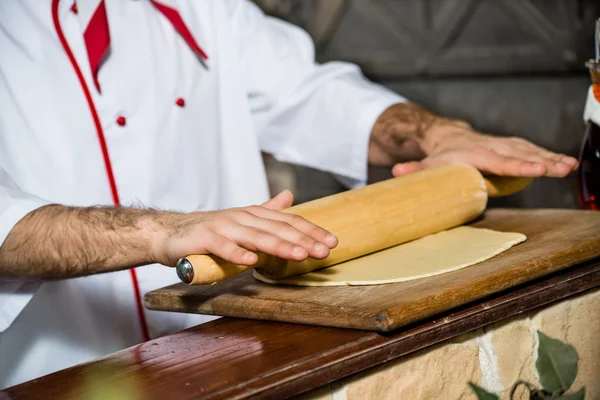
x: 92, y: 14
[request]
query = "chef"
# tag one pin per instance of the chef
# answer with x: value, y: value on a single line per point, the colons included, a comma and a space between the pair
x: 131, y: 134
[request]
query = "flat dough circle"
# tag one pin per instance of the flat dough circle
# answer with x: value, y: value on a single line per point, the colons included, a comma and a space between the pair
x: 428, y: 256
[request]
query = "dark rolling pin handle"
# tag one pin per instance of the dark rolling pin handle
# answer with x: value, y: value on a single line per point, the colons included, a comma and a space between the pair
x: 185, y: 270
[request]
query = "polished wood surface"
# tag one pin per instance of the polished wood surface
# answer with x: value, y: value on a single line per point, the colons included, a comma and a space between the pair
x: 556, y: 240
x: 234, y: 358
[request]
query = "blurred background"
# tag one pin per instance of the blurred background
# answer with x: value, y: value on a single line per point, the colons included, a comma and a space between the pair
x: 509, y: 67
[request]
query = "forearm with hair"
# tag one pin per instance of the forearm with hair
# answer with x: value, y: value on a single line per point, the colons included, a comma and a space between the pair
x: 402, y: 133
x: 61, y: 242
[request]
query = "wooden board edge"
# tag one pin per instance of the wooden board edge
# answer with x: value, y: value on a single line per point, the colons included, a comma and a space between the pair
x: 398, y: 318
x: 267, y: 309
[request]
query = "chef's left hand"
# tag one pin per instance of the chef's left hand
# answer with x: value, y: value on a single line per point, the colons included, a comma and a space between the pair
x: 443, y: 141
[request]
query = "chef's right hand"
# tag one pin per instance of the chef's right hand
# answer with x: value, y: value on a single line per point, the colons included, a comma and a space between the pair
x: 236, y: 234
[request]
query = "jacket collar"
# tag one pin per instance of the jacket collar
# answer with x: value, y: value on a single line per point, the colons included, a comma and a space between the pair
x: 92, y: 16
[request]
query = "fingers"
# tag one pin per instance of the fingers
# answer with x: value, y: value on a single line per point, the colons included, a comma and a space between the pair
x: 407, y: 168
x: 549, y: 166
x: 414, y: 166
x: 570, y: 161
x: 269, y: 243
x: 229, y: 251
x: 501, y: 156
x: 295, y: 222
x: 292, y: 228
x: 557, y: 165
x: 494, y: 163
x: 280, y: 202
x: 484, y: 160
x: 236, y: 234
x: 313, y: 240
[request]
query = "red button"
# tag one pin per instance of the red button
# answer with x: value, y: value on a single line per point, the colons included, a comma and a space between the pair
x: 121, y: 120
x: 74, y: 8
x: 180, y: 102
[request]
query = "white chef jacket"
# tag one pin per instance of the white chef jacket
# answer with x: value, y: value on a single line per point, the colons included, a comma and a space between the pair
x: 260, y: 89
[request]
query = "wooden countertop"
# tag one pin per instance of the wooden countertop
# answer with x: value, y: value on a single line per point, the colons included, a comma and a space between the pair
x: 235, y: 358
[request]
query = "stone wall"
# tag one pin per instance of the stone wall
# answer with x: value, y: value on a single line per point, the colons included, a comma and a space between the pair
x: 493, y: 357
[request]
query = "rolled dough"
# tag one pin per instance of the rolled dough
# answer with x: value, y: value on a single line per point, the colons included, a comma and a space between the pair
x: 435, y: 254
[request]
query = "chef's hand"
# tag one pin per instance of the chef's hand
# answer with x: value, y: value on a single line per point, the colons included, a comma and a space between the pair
x: 409, y: 132
x: 236, y: 234
x: 79, y: 241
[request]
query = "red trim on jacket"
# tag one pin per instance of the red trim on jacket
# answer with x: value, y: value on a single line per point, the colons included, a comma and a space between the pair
x: 173, y: 16
x: 105, y: 155
x: 97, y: 40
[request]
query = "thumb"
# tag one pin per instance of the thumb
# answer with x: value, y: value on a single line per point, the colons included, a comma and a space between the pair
x: 407, y: 168
x: 415, y: 166
x: 282, y: 201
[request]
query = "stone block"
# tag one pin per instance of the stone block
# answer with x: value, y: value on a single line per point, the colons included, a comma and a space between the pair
x: 577, y: 322
x: 514, y: 343
x: 426, y: 374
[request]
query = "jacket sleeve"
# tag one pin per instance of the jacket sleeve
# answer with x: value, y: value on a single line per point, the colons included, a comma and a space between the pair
x: 14, y: 205
x: 316, y: 115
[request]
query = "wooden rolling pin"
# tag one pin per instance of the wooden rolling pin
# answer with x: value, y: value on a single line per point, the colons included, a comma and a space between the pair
x: 373, y: 218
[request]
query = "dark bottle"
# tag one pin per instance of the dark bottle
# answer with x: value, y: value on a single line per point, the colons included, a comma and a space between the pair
x: 588, y: 173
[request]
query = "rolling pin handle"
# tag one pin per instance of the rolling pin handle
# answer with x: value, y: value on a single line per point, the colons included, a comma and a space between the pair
x: 185, y: 270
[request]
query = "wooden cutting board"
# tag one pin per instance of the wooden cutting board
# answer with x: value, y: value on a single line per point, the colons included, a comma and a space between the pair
x: 556, y: 239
